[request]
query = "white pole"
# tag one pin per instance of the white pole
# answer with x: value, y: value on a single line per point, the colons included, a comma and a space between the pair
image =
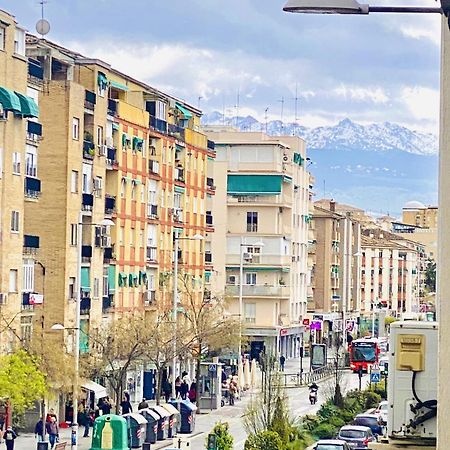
x: 373, y: 320
x: 241, y: 289
x: 174, y: 313
x: 74, y: 440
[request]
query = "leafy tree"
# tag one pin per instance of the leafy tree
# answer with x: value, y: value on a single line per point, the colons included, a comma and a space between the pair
x: 430, y: 275
x: 21, y: 381
x: 224, y: 439
x: 264, y: 440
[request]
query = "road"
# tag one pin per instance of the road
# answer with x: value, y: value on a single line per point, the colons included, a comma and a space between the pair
x: 298, y: 403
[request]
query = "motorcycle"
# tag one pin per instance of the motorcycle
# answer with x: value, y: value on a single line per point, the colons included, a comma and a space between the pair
x: 313, y: 396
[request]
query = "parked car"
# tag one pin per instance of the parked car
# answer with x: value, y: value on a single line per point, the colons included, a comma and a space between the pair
x: 331, y: 444
x: 382, y: 411
x: 373, y: 421
x: 356, y: 436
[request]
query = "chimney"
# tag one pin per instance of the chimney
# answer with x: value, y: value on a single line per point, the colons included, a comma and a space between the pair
x: 332, y: 206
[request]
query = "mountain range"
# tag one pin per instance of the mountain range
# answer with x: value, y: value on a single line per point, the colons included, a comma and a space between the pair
x: 377, y: 167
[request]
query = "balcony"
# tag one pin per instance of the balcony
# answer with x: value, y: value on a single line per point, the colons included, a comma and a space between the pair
x: 153, y: 167
x: 85, y: 306
x: 175, y: 131
x: 110, y: 204
x: 112, y: 107
x: 90, y: 99
x: 152, y: 211
x: 152, y: 254
x: 87, y: 202
x: 32, y: 187
x: 35, y: 72
x: 149, y: 297
x: 26, y: 305
x: 179, y: 174
x: 111, y: 158
x: 108, y: 254
x: 158, y: 124
x: 30, y: 244
x: 209, y: 220
x: 208, y: 257
x: 88, y: 150
x: 258, y: 290
x: 34, y: 132
x: 260, y: 259
x: 211, y: 145
x: 210, y: 184
x: 107, y: 303
x: 86, y: 253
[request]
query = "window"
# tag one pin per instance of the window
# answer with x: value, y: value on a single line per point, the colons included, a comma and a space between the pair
x: 255, y: 253
x: 98, y: 186
x: 31, y: 161
x: 121, y: 235
x: 2, y: 38
x: 133, y: 190
x: 13, y: 280
x: 132, y: 232
x: 74, y: 181
x: 96, y: 287
x: 28, y: 276
x: 73, y: 234
x: 76, y: 128
x: 15, y: 221
x: 16, y: 163
x: 252, y: 221
x: 123, y: 187
x: 250, y: 278
x: 99, y: 135
x: 105, y: 287
x: 250, y: 312
x: 19, y: 42
x: 177, y: 200
x: 71, y: 287
x: 26, y: 325
x: 143, y: 194
x: 87, y: 178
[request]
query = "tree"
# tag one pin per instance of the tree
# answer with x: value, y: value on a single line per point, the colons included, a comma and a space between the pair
x: 430, y: 275
x: 224, y: 439
x: 21, y: 381
x: 115, y: 349
x: 264, y: 440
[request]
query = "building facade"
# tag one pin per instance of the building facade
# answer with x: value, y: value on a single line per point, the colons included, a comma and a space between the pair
x: 416, y: 213
x: 261, y: 221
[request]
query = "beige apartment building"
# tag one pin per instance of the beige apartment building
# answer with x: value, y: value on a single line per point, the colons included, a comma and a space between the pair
x: 261, y: 213
x: 20, y: 186
x: 416, y: 213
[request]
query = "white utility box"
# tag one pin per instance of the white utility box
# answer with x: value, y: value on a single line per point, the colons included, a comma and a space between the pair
x: 412, y: 381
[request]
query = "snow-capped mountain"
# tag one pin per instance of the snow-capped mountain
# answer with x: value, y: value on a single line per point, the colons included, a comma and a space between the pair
x: 346, y: 135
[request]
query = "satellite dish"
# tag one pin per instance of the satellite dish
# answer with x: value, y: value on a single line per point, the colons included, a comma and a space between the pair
x: 43, y: 27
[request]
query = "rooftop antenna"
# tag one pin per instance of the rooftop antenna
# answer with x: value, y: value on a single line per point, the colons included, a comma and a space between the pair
x: 296, y: 99
x: 42, y: 25
x: 282, y: 112
x: 265, y: 117
x: 237, y: 107
x: 199, y: 100
x: 223, y: 111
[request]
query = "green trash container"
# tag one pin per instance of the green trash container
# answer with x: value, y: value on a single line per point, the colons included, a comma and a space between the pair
x: 110, y: 433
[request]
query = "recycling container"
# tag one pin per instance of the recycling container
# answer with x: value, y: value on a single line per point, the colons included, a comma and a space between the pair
x: 110, y: 431
x: 137, y: 428
x: 163, y: 423
x: 174, y: 419
x: 187, y: 411
x: 152, y: 425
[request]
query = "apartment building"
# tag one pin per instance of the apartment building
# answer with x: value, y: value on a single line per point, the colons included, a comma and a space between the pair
x: 20, y: 187
x: 391, y: 273
x: 416, y: 213
x: 261, y: 218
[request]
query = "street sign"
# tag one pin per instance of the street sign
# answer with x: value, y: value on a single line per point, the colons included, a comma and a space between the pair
x: 375, y: 377
x: 305, y: 322
x: 212, y: 368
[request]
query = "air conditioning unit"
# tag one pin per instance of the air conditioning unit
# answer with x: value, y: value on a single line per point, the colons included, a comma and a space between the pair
x: 3, y: 298
x: 247, y: 256
x: 102, y: 150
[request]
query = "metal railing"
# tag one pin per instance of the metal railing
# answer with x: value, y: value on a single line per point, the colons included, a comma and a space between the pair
x: 307, y: 378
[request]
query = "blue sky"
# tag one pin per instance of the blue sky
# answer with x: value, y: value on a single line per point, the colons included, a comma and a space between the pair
x: 371, y: 68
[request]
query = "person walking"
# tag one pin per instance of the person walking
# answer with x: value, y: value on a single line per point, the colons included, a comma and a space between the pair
x: 9, y: 436
x: 84, y: 420
x: 178, y: 387
x: 53, y: 432
x: 143, y: 404
x: 39, y: 430
x: 192, y: 395
x: 232, y: 390
x: 184, y: 389
x: 126, y: 405
x: 167, y: 389
x: 282, y: 362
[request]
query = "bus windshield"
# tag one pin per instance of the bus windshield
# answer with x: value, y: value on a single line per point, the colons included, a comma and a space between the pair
x: 364, y: 352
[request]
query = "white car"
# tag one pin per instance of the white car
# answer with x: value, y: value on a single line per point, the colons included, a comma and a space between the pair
x: 382, y: 411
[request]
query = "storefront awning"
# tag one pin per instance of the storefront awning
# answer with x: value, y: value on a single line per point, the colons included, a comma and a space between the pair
x: 28, y: 106
x: 97, y: 389
x: 187, y: 114
x: 9, y: 100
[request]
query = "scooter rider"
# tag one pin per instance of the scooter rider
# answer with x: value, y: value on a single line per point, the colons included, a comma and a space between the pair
x: 313, y: 393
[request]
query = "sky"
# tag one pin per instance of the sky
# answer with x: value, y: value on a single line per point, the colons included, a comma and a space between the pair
x: 376, y: 68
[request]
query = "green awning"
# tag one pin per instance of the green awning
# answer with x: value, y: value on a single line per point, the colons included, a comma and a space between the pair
x: 179, y: 189
x: 28, y: 106
x: 298, y: 159
x: 85, y: 279
x: 115, y: 126
x: 10, y: 101
x: 138, y: 143
x: 112, y: 278
x: 187, y: 114
x: 254, y: 184
x: 122, y: 279
x: 258, y: 269
x: 117, y: 85
x: 102, y: 81
x: 84, y: 335
x: 287, y: 179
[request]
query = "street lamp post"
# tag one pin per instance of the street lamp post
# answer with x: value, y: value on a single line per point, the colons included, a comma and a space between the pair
x: 196, y: 237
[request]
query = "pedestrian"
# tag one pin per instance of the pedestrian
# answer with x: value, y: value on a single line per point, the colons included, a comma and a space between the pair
x: 282, y: 362
x: 143, y: 404
x: 178, y: 387
x: 167, y: 389
x: 193, y: 392
x: 9, y: 436
x: 104, y: 405
x: 39, y: 430
x: 53, y: 432
x: 126, y: 405
x: 84, y: 420
x: 232, y: 389
x: 50, y: 414
x: 184, y: 389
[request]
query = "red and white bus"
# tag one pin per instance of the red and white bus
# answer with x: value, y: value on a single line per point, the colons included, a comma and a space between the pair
x: 363, y: 353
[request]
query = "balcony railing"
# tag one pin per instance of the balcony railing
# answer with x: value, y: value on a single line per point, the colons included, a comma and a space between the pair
x: 152, y: 253
x: 107, y: 303
x: 112, y: 107
x: 158, y: 124
x: 175, y: 131
x: 179, y: 174
x: 87, y: 202
x: 152, y: 211
x: 32, y: 187
x: 85, y: 306
x: 261, y: 259
x: 86, y: 253
x: 211, y: 145
x: 149, y: 297
x: 35, y: 72
x: 30, y: 243
x: 88, y: 150
x: 111, y: 157
x: 210, y: 184
x: 153, y: 166
x: 258, y: 290
x: 208, y: 257
x: 209, y: 220
x: 108, y: 254
x: 26, y: 306
x: 110, y: 204
x: 90, y: 100
x: 34, y: 131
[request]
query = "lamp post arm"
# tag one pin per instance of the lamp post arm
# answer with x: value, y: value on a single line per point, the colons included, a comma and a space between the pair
x: 405, y: 9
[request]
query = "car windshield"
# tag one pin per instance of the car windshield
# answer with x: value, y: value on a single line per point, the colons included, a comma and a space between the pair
x: 383, y: 407
x: 329, y: 447
x: 363, y: 352
x: 366, y: 421
x: 352, y: 434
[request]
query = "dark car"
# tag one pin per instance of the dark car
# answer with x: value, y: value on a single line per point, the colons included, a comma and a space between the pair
x: 331, y: 444
x: 356, y: 436
x: 373, y: 421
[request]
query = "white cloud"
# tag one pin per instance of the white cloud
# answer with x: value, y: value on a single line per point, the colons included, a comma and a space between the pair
x: 372, y: 94
x: 422, y: 103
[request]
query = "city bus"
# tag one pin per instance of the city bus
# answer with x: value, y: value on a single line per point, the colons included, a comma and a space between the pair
x: 363, y: 353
